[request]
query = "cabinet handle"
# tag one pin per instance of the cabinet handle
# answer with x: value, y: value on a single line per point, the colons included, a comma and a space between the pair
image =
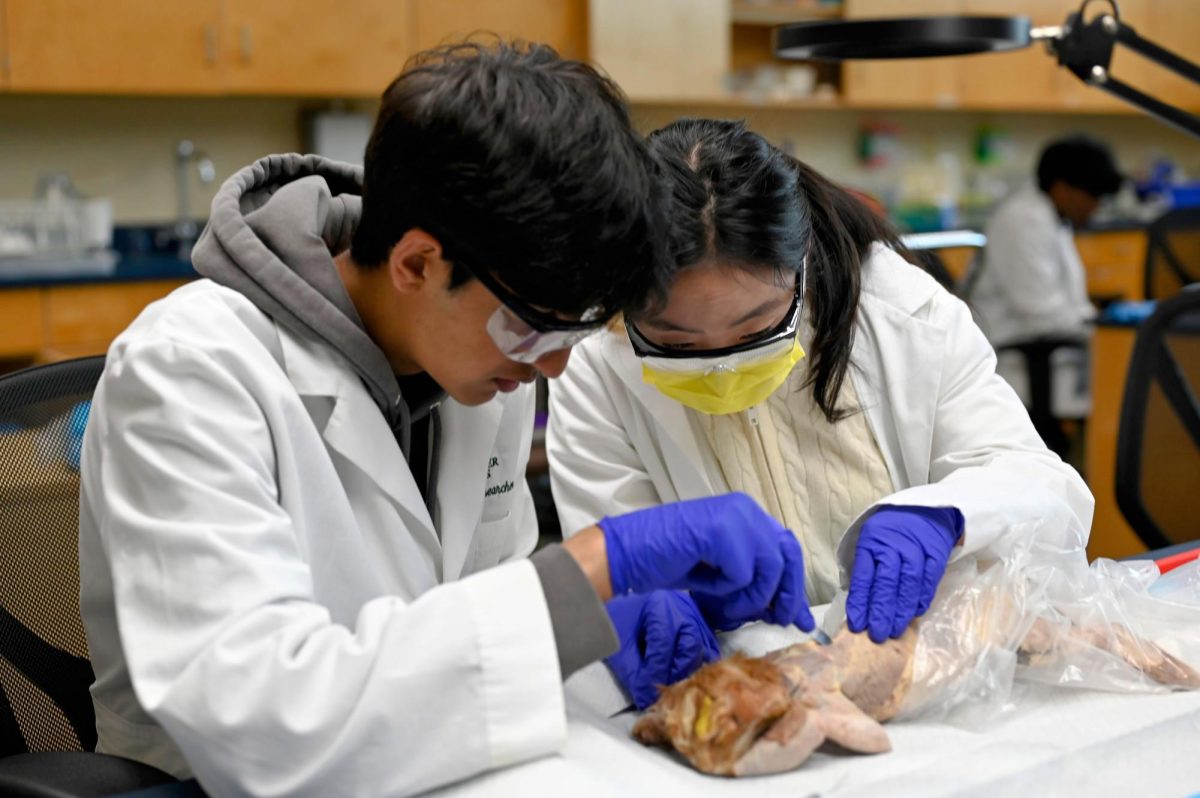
x: 245, y: 43
x: 210, y: 45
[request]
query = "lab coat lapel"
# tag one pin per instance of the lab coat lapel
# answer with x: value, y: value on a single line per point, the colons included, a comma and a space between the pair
x: 358, y: 431
x: 467, y: 444
x: 896, y: 367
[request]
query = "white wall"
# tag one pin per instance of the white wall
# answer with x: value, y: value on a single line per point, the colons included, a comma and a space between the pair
x: 124, y: 148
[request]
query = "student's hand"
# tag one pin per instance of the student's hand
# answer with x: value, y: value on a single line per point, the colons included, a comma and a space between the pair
x: 725, y: 548
x: 901, y: 555
x: 663, y: 639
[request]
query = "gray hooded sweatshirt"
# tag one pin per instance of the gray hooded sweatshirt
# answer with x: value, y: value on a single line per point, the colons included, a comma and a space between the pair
x: 274, y: 229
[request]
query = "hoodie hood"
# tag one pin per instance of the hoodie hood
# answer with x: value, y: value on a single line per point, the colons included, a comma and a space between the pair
x: 274, y: 229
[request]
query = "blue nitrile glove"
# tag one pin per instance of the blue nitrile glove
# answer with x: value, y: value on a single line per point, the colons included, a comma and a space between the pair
x: 663, y: 639
x: 724, y: 546
x: 789, y: 606
x: 901, y: 556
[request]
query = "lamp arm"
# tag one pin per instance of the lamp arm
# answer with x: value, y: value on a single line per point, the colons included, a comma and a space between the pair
x: 1086, y: 50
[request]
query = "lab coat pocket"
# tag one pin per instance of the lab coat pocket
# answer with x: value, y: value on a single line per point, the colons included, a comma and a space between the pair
x: 494, y: 540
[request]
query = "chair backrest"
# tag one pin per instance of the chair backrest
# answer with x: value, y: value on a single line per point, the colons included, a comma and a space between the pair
x: 44, y: 667
x: 1172, y: 253
x: 1158, y: 443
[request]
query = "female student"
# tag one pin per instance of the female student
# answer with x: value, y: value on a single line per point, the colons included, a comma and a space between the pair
x: 799, y: 358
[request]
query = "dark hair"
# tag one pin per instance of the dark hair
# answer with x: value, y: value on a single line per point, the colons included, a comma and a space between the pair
x: 1082, y: 162
x: 740, y: 199
x: 521, y: 163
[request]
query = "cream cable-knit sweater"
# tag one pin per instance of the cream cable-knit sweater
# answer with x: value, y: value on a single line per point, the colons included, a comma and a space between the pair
x: 812, y: 476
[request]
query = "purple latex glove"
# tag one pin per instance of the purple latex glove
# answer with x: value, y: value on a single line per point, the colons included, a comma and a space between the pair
x: 721, y: 546
x: 901, y: 555
x: 663, y: 639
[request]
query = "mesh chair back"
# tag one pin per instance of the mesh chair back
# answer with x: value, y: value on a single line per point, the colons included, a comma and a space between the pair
x: 44, y: 668
x: 1173, y: 253
x: 1158, y: 443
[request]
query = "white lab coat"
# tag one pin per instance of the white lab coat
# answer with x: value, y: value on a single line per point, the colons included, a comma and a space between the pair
x: 262, y: 580
x: 951, y: 431
x: 1033, y: 284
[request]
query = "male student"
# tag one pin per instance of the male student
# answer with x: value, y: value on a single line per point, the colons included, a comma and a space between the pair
x: 304, y: 523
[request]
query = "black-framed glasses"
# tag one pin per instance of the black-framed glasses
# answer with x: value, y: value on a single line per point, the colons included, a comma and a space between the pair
x: 786, y: 329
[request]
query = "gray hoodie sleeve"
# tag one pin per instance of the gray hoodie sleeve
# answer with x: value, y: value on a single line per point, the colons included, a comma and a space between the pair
x: 582, y: 631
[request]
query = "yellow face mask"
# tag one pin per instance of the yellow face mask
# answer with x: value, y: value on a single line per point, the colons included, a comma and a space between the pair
x: 730, y: 384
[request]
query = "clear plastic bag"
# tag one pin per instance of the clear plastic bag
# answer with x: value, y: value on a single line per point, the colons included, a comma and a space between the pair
x: 1031, y: 609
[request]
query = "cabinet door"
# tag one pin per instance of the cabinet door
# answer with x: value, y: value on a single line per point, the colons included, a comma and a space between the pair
x: 134, y: 46
x: 21, y: 333
x: 1026, y: 78
x: 666, y: 49
x: 562, y: 24
x: 303, y: 47
x: 1175, y: 25
x: 84, y: 319
x: 904, y: 83
x: 1115, y: 263
x: 5, y: 61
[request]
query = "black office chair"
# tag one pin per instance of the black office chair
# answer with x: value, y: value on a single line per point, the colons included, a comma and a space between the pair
x: 1158, y: 442
x: 1172, y: 253
x: 47, y: 725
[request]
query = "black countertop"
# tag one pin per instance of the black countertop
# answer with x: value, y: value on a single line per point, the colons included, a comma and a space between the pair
x: 143, y: 253
x: 133, y: 267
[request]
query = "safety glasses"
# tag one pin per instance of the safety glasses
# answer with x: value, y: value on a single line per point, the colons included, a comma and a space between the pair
x: 784, y: 331
x: 526, y: 334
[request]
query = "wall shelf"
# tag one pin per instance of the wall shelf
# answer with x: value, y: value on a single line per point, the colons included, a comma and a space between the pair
x: 782, y: 13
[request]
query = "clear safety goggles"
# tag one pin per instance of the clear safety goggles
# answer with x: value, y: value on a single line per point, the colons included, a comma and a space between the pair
x: 526, y: 334
x: 733, y: 363
x: 778, y: 338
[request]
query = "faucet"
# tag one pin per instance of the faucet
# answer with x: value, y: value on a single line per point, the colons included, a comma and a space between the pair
x: 186, y: 228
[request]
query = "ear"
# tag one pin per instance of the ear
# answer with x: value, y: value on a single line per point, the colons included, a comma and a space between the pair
x: 415, y: 260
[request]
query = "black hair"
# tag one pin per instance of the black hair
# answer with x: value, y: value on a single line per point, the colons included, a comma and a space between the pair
x: 737, y: 198
x: 518, y: 162
x: 1082, y: 162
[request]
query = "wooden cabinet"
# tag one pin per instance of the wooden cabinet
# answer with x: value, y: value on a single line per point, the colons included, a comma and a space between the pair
x: 84, y: 319
x: 1112, y: 349
x: 119, y: 46
x: 1026, y: 78
x: 56, y: 322
x: 21, y: 310
x: 1129, y: 67
x: 560, y: 23
x: 301, y: 47
x: 664, y: 50
x: 1175, y: 25
x: 661, y: 50
x: 207, y: 46
x: 5, y: 61
x: 902, y: 83
x: 263, y: 47
x: 1115, y: 262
